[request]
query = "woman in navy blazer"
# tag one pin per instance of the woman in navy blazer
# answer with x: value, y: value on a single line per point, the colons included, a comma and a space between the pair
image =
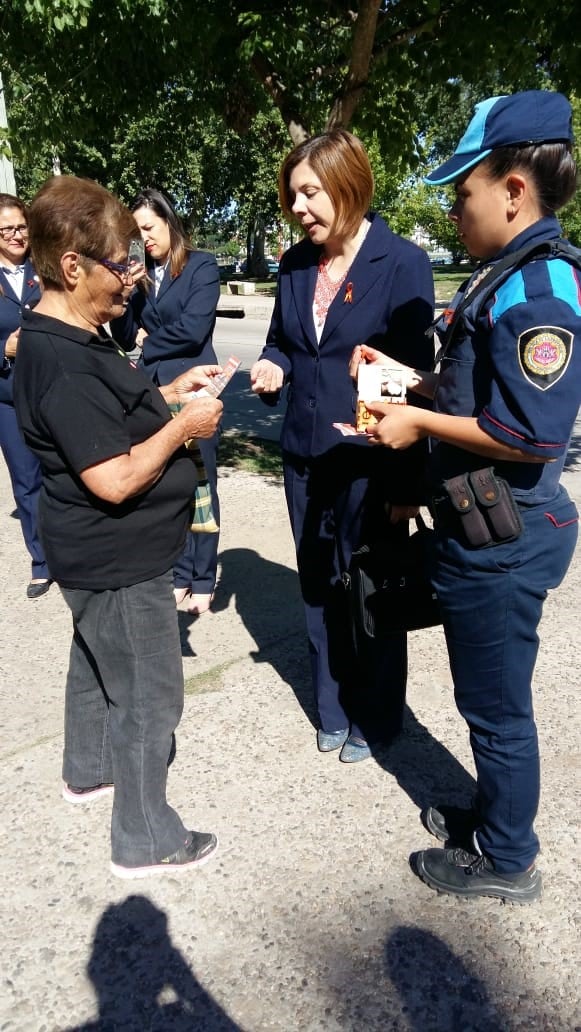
x: 351, y: 281
x: 171, y: 317
x: 19, y: 288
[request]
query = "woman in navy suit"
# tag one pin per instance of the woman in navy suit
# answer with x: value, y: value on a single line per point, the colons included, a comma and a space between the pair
x: 19, y: 288
x: 350, y: 281
x: 171, y: 318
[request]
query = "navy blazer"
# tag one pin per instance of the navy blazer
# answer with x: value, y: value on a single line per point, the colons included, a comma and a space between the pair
x: 10, y: 313
x: 179, y: 321
x: 386, y: 301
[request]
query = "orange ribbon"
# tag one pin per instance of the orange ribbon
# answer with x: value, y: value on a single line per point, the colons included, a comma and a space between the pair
x: 348, y: 299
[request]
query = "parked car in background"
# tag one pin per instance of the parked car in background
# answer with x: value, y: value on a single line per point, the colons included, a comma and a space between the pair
x: 226, y: 272
x: 272, y: 267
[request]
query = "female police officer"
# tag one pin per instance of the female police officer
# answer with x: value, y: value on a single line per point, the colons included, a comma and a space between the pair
x: 506, y: 397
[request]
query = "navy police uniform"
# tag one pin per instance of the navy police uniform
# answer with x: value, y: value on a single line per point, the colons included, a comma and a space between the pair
x: 514, y: 363
x: 23, y: 466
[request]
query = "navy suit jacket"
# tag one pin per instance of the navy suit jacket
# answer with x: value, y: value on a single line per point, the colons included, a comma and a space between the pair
x: 388, y: 305
x: 179, y: 322
x: 10, y: 313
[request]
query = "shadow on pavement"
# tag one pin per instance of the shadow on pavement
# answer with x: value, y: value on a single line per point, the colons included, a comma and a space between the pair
x: 426, y: 771
x: 436, y: 989
x: 246, y: 413
x: 142, y: 981
x: 268, y: 602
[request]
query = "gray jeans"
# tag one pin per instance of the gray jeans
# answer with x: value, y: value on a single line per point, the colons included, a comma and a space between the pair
x: 124, y: 699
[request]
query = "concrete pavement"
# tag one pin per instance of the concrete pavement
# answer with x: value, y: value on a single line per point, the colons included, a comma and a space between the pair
x: 309, y: 917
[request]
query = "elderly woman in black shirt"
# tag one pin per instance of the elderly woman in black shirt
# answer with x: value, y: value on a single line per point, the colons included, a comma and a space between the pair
x: 113, y: 514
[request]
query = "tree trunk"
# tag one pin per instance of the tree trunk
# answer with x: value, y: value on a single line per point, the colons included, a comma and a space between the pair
x: 255, y: 260
x: 348, y: 100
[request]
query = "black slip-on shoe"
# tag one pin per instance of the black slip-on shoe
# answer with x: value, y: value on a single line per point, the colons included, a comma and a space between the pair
x: 461, y: 873
x: 453, y: 824
x: 196, y: 850
x: 38, y: 588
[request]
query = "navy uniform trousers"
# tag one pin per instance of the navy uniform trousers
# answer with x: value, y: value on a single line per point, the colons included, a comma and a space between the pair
x: 329, y: 509
x: 197, y: 565
x: 492, y: 600
x: 26, y: 479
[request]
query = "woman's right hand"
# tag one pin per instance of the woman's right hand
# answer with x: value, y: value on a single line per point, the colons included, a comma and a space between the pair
x: 371, y: 356
x: 200, y: 417
x: 266, y: 377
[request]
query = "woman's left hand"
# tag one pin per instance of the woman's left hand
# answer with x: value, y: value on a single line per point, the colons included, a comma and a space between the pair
x: 399, y: 426
x: 137, y: 271
x: 11, y: 345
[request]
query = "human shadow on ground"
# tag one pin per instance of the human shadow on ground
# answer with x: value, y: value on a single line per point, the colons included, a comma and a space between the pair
x: 268, y: 601
x: 424, y: 768
x: 436, y: 989
x: 142, y: 981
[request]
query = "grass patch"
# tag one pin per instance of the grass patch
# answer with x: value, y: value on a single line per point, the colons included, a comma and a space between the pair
x: 448, y: 279
x: 250, y: 454
x: 209, y: 680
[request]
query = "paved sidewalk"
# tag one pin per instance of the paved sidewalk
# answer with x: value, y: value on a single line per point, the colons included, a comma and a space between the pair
x: 309, y: 918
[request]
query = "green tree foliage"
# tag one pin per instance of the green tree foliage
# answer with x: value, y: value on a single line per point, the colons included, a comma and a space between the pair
x: 134, y: 91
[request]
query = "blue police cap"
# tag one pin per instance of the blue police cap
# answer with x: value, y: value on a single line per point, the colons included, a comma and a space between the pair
x: 534, y: 116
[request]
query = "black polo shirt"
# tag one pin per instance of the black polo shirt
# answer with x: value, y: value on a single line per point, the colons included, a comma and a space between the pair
x: 79, y: 402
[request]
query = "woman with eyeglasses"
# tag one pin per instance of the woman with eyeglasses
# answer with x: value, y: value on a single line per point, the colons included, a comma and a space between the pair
x: 171, y: 317
x: 113, y: 513
x: 19, y: 288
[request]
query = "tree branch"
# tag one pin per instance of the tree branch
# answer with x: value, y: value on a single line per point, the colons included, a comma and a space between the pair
x: 346, y: 102
x: 278, y: 92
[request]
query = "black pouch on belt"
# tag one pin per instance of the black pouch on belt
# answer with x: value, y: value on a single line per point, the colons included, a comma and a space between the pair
x: 485, y: 507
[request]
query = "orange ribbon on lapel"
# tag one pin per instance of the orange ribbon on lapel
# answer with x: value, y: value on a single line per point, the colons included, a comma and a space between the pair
x: 348, y: 299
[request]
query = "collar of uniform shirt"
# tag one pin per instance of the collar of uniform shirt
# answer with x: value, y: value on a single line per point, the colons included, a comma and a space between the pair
x: 159, y: 273
x: 13, y: 270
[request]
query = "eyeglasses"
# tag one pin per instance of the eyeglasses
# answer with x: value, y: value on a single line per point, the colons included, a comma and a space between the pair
x: 119, y: 268
x: 7, y: 232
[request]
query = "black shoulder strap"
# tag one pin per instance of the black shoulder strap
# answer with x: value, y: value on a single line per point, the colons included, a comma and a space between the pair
x: 495, y: 274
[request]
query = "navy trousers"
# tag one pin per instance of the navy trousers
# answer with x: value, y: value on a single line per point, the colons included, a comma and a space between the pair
x: 492, y: 602
x: 330, y: 508
x: 196, y: 567
x: 26, y: 479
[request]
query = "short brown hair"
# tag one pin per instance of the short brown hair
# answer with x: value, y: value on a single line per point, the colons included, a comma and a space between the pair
x: 340, y: 161
x: 8, y: 200
x: 72, y: 214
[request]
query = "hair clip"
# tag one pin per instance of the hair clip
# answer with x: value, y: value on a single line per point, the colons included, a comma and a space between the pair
x: 348, y: 299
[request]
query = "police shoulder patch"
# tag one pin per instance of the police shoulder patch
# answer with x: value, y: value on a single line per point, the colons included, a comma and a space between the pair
x: 544, y: 353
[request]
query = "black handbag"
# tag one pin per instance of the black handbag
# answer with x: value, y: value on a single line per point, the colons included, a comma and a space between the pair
x: 389, y: 587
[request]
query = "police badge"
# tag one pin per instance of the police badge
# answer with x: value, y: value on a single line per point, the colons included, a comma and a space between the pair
x: 544, y: 353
